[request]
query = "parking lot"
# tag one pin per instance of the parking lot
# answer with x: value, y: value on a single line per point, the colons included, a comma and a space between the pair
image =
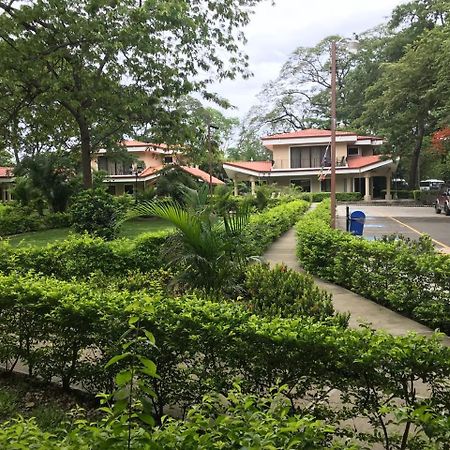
x: 408, y: 221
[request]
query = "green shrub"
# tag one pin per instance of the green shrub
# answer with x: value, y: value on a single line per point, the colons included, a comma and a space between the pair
x: 409, y: 277
x: 340, y: 196
x: 95, y: 211
x: 80, y: 256
x: 68, y: 331
x: 282, y: 292
x: 20, y: 219
x: 265, y: 227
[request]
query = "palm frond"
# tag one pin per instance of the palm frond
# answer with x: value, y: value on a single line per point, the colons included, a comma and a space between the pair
x: 187, y: 223
x: 237, y: 221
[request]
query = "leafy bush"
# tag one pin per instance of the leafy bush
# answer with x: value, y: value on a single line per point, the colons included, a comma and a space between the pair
x: 70, y: 330
x: 94, y: 211
x: 80, y: 256
x: 265, y: 227
x: 235, y: 421
x: 282, y: 292
x: 340, y: 196
x: 409, y: 277
x: 17, y: 219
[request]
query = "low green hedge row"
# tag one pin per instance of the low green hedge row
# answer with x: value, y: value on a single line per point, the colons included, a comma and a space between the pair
x: 16, y: 220
x: 411, y: 278
x: 240, y: 422
x: 79, y: 256
x: 69, y: 330
x: 267, y: 226
x: 340, y: 196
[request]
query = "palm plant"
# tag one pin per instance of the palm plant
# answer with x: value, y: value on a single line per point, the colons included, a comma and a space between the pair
x: 205, y: 248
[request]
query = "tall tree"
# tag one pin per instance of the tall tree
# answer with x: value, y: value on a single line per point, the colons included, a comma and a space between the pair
x: 106, y: 68
x: 299, y: 97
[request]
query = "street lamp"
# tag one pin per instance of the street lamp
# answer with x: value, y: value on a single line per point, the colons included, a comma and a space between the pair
x: 352, y: 46
x: 214, y: 127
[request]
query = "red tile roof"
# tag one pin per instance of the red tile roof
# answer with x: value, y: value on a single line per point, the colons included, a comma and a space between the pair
x: 150, y: 171
x: 355, y: 162
x: 6, y: 171
x: 310, y: 132
x: 133, y: 143
x: 201, y: 174
x: 259, y: 166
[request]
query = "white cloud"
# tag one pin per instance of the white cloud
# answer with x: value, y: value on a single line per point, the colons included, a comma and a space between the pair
x: 275, y: 31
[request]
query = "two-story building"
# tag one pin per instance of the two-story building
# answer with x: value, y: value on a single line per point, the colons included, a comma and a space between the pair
x: 303, y: 158
x: 6, y: 183
x: 144, y: 168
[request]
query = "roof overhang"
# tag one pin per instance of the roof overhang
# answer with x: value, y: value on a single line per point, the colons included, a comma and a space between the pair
x: 352, y: 138
x: 230, y: 170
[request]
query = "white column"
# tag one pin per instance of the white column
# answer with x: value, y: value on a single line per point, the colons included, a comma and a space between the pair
x: 349, y: 184
x: 253, y: 185
x: 368, y: 195
x: 236, y: 189
x: 388, y: 186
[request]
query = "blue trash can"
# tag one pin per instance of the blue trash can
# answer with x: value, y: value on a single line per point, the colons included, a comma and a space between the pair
x: 357, y: 220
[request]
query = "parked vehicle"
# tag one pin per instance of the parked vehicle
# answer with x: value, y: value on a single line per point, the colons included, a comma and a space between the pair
x: 399, y: 184
x: 443, y: 200
x: 431, y: 185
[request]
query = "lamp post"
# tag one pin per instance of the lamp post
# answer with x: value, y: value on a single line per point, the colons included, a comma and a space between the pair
x: 352, y: 47
x: 210, y: 162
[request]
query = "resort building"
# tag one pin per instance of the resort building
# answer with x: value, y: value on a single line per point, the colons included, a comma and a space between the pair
x: 303, y: 158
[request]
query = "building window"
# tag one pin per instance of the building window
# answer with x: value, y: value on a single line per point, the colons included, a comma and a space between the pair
x: 306, y: 157
x: 129, y: 189
x: 353, y: 151
x: 102, y: 163
x: 304, y: 184
x: 168, y: 159
x: 325, y: 185
x: 111, y: 189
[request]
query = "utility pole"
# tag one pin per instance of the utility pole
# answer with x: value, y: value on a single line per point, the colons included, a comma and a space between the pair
x: 210, y: 160
x: 333, y: 134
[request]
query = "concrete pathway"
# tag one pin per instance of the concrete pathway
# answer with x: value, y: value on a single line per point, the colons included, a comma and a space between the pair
x: 362, y: 310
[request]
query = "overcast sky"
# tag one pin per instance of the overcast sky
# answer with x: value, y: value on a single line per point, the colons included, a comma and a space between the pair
x: 275, y: 31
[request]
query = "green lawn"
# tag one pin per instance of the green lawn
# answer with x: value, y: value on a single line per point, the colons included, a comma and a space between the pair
x: 130, y: 230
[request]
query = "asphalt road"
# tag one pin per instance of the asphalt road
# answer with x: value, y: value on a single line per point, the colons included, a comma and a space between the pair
x: 407, y: 221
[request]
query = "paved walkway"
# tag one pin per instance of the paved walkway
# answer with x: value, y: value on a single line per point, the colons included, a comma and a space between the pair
x: 362, y: 310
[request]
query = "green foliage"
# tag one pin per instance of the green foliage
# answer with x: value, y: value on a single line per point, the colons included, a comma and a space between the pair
x: 94, y: 211
x: 316, y: 197
x: 83, y: 101
x: 265, y: 227
x: 52, y: 176
x: 409, y: 277
x: 80, y: 256
x: 282, y: 292
x: 71, y: 331
x: 17, y: 220
x: 236, y: 420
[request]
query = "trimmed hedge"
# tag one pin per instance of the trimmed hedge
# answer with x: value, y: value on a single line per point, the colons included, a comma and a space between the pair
x: 316, y: 197
x: 267, y: 226
x: 70, y: 331
x: 411, y: 278
x: 17, y: 220
x: 79, y: 256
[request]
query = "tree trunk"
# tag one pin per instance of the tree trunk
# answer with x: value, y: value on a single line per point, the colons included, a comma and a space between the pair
x: 414, y: 181
x: 85, y: 136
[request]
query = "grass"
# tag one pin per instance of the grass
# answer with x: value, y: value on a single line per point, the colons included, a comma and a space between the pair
x: 130, y: 230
